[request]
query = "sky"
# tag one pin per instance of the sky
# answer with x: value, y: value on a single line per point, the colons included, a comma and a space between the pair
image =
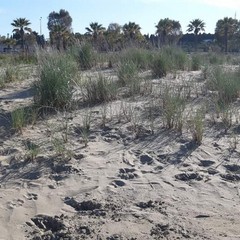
x: 146, y: 13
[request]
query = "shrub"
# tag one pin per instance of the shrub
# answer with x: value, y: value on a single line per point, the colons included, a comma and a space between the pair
x: 226, y: 116
x: 126, y: 72
x: 128, y: 76
x: 177, y: 58
x: 86, y: 56
x: 169, y: 59
x: 99, y: 90
x: 5, y: 59
x: 32, y: 150
x: 25, y: 58
x: 226, y: 83
x: 173, y: 108
x: 160, y: 66
x: 195, y: 62
x: 142, y: 58
x: 10, y: 74
x: 54, y: 87
x: 19, y: 120
x: 197, y: 126
x: 215, y: 58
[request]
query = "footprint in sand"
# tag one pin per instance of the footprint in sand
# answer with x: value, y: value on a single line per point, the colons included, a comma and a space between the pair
x: 31, y: 196
x: 15, y: 203
x: 146, y: 159
x: 206, y: 163
x: 127, y: 173
x: 118, y: 183
x: 232, y: 173
x: 188, y: 176
x: 233, y: 168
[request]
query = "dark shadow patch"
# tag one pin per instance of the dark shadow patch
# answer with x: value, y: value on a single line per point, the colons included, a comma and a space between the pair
x: 118, y: 183
x: 206, y: 163
x: 82, y: 206
x: 233, y: 168
x: 188, y: 176
x: 231, y: 177
x: 26, y: 170
x: 27, y: 93
x: 32, y: 175
x: 65, y: 168
x: 146, y: 159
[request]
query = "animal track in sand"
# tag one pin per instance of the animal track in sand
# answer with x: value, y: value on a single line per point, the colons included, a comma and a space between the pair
x: 31, y: 196
x: 206, y: 163
x: 188, y: 176
x: 146, y: 159
x: 233, y: 168
x: 118, y: 183
x: 231, y: 177
x: 127, y: 173
x: 15, y: 203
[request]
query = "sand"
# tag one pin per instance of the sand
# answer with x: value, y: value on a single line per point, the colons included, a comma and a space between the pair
x: 120, y: 186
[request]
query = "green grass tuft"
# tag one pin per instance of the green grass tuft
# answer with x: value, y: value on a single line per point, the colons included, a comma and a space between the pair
x: 54, y: 87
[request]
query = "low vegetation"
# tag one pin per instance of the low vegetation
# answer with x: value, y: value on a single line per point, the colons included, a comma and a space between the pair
x: 63, y: 80
x: 54, y: 88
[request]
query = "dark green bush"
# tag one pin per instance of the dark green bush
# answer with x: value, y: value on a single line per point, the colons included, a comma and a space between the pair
x: 226, y: 83
x: 142, y: 58
x: 54, y: 86
x: 126, y: 72
x: 196, y: 62
x: 160, y: 66
x: 86, y: 56
x: 177, y: 58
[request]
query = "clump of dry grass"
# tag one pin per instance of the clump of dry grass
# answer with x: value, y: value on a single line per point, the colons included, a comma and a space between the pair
x: 173, y: 106
x: 197, y: 125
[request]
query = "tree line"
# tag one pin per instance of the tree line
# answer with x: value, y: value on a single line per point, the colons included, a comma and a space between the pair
x: 116, y: 37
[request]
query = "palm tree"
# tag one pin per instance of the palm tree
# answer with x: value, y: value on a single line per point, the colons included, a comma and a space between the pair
x: 21, y: 25
x: 196, y: 26
x: 167, y: 28
x: 131, y: 30
x: 226, y: 28
x: 58, y: 34
x: 95, y: 30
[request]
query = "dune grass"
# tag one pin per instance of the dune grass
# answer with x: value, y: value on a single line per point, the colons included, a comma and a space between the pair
x: 54, y: 87
x: 98, y: 89
x: 226, y: 83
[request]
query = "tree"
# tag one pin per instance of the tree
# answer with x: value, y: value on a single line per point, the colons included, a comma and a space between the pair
x: 196, y: 26
x: 29, y: 41
x: 113, y: 36
x: 168, y: 30
x: 21, y: 25
x: 226, y: 28
x: 59, y: 25
x: 40, y: 39
x: 10, y: 42
x: 95, y: 30
x: 114, y: 28
x: 57, y: 35
x: 131, y: 30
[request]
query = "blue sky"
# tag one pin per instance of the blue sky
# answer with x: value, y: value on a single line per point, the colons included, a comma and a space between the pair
x: 146, y: 13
